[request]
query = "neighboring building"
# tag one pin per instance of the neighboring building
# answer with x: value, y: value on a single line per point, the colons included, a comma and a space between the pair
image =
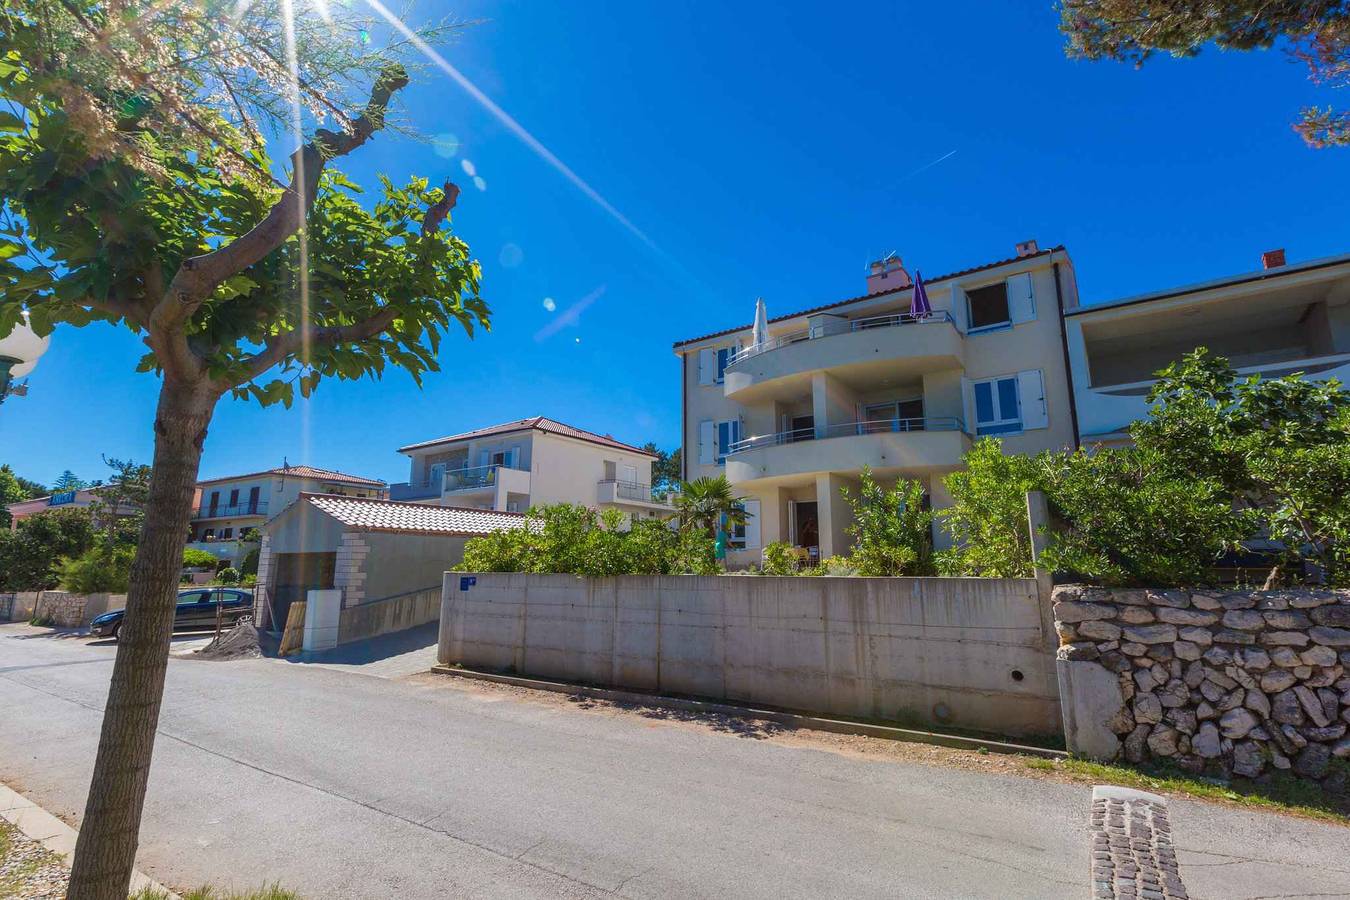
x: 863, y: 382
x: 81, y: 499
x: 1275, y: 321
x: 369, y: 549
x: 535, y: 461
x: 228, y: 507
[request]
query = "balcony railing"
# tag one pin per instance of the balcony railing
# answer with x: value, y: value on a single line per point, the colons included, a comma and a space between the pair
x: 890, y: 320
x: 633, y: 490
x: 850, y: 429
x: 222, y: 511
x: 471, y: 479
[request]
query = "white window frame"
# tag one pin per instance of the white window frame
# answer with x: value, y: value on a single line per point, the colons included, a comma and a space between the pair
x: 1002, y: 423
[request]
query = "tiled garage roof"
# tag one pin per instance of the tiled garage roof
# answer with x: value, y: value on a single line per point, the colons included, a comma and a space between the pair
x: 412, y: 518
x: 534, y: 423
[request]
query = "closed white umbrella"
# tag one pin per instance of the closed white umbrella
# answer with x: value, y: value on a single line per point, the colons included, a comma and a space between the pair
x: 760, y: 335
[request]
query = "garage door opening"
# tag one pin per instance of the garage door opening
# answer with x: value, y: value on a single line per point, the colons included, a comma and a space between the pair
x: 296, y: 575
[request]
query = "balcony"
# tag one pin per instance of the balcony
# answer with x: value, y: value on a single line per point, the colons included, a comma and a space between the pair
x: 629, y: 493
x: 464, y: 481
x: 887, y: 446
x: 899, y: 345
x: 223, y: 511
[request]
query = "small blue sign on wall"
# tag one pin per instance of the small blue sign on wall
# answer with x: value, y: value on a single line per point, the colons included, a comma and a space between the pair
x: 467, y: 581
x: 61, y: 499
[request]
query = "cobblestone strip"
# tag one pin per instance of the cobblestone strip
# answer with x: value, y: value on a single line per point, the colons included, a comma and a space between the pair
x: 1132, y: 853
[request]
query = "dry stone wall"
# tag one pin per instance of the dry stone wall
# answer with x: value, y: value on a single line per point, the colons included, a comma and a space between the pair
x: 1236, y: 683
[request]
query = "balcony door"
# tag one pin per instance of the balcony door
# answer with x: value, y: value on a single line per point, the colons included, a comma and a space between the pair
x: 253, y: 495
x: 805, y: 523
x: 800, y: 428
x: 895, y: 415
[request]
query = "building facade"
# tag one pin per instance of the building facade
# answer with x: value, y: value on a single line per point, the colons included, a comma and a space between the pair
x: 80, y: 499
x: 227, y: 508
x: 1277, y: 320
x: 866, y: 382
x: 536, y: 461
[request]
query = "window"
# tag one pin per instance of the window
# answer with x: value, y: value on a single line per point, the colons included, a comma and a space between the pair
x: 745, y: 537
x: 209, y: 534
x: 989, y: 306
x: 227, y: 534
x: 234, y: 498
x: 722, y: 356
x: 728, y: 433
x: 997, y: 410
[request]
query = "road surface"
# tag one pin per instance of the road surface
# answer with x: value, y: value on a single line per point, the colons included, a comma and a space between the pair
x: 341, y: 785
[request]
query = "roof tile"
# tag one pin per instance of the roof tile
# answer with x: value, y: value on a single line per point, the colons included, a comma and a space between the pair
x: 412, y: 518
x: 535, y: 423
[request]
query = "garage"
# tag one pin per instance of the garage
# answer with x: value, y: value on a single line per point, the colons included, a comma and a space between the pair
x: 370, y: 550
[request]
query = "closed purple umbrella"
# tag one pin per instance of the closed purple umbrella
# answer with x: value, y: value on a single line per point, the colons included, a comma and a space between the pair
x: 919, y: 307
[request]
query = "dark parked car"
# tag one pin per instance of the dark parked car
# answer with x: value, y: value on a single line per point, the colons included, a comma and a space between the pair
x: 196, y: 611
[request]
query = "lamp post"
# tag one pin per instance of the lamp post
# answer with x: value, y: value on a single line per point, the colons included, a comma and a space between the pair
x: 19, y: 352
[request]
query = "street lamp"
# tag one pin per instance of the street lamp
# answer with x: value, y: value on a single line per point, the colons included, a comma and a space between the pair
x: 19, y: 352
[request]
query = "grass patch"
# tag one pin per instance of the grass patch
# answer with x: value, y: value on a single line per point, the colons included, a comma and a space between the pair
x: 206, y: 892
x: 1281, y: 791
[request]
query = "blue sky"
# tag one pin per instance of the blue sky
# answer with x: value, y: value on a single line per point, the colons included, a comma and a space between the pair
x: 762, y: 149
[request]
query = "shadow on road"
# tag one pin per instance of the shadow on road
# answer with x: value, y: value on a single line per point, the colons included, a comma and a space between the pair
x: 754, y: 729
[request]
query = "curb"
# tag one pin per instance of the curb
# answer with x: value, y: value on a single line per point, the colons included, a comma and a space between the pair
x: 56, y: 836
x: 793, y: 720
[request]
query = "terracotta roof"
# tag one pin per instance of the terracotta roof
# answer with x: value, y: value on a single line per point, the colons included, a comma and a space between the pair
x: 412, y: 518
x: 926, y: 281
x: 303, y: 472
x: 537, y: 423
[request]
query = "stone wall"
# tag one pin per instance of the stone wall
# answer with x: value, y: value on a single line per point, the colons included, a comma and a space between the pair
x: 1235, y: 683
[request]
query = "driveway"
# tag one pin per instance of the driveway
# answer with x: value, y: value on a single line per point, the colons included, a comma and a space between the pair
x: 343, y: 786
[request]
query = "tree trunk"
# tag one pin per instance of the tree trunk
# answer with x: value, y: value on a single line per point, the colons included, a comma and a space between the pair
x: 106, y: 849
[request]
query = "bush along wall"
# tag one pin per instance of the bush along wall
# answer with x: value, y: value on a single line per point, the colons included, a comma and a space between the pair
x: 1232, y: 683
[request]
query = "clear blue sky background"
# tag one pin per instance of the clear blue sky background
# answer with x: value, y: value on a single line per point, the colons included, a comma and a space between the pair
x: 764, y: 149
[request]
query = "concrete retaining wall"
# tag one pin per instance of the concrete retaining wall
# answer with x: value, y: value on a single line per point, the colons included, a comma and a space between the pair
x: 66, y: 610
x: 394, y: 614
x: 972, y: 653
x: 1230, y: 682
x: 18, y: 606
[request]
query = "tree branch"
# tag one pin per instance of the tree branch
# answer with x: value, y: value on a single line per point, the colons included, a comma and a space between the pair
x: 199, y: 275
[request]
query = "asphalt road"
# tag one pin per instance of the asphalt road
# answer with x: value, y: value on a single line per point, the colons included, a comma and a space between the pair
x: 341, y: 785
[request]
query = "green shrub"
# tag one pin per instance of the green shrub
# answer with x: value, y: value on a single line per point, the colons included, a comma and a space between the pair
x: 250, y: 564
x: 892, y: 530
x: 988, y: 516
x: 780, y: 558
x: 194, y: 558
x: 31, y: 555
x: 104, y: 568
x: 228, y: 575
x: 573, y: 539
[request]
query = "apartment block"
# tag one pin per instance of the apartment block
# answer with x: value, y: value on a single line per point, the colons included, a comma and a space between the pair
x: 537, y: 461
x: 869, y: 382
x: 228, y: 507
x: 1277, y: 320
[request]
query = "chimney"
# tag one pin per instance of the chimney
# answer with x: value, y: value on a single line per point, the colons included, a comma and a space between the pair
x: 1027, y: 248
x: 1272, y: 259
x: 887, y: 274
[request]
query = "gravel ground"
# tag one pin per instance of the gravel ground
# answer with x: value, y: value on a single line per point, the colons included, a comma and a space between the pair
x: 27, y: 870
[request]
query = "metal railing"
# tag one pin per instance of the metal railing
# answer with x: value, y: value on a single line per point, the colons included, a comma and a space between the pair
x: 849, y: 429
x: 890, y: 320
x: 222, y: 510
x: 471, y: 479
x: 632, y: 490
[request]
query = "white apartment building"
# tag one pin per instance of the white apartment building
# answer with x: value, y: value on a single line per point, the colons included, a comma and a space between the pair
x: 866, y: 382
x: 228, y: 507
x: 1275, y: 321
x: 536, y: 461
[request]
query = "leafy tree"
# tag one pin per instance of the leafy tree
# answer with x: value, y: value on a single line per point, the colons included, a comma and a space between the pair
x: 11, y: 491
x: 1277, y: 448
x: 892, y: 530
x: 228, y: 575
x: 194, y: 558
x: 708, y: 503
x: 1124, y: 517
x: 120, y: 504
x: 30, y: 554
x: 988, y: 516
x: 137, y: 190
x: 1317, y: 34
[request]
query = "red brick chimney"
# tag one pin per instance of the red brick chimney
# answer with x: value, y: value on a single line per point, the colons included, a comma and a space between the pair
x: 1272, y: 259
x: 887, y: 274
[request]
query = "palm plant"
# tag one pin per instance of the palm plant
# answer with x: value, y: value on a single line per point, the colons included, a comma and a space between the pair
x: 706, y: 503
